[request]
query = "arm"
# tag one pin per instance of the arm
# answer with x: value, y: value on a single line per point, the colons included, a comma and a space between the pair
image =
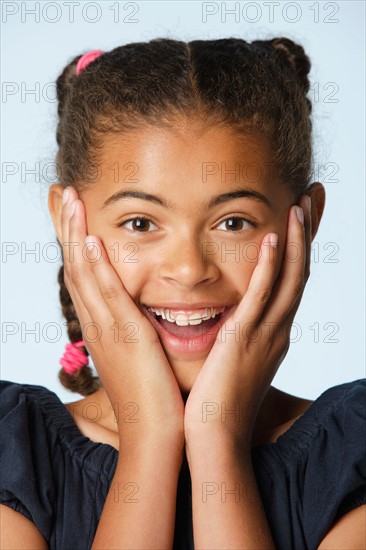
x: 139, y: 511
x: 228, y: 511
x: 238, y: 371
x: 18, y: 532
x: 226, y: 503
x: 349, y: 532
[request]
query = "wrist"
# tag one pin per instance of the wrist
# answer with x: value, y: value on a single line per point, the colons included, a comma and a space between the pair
x: 217, y: 445
x: 151, y: 442
x: 233, y: 430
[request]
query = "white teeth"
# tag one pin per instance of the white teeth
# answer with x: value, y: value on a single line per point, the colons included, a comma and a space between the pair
x: 183, y: 320
x: 166, y: 315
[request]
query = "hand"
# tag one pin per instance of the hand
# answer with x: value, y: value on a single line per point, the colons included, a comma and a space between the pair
x: 251, y: 344
x: 124, y: 346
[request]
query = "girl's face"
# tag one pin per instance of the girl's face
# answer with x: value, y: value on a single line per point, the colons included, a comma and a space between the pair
x: 199, y: 241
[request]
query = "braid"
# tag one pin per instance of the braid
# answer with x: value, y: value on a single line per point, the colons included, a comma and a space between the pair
x: 82, y: 381
x: 64, y: 88
x: 295, y: 55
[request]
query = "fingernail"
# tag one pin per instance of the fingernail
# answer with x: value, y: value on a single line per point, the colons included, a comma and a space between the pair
x: 273, y: 239
x: 65, y: 195
x: 89, y: 239
x: 300, y: 214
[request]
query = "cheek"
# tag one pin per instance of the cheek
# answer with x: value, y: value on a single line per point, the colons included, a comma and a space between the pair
x: 237, y: 275
x: 240, y: 273
x: 128, y: 264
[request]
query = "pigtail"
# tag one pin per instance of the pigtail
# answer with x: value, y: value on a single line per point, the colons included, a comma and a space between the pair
x: 64, y: 85
x: 82, y: 381
x: 293, y: 55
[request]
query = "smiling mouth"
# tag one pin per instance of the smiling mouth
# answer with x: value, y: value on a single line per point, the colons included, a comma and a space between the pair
x: 184, y: 327
x: 181, y: 317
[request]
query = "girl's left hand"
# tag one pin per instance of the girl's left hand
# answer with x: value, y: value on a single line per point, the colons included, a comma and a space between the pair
x: 251, y: 344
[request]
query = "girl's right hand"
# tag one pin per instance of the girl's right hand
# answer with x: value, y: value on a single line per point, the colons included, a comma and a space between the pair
x: 124, y: 346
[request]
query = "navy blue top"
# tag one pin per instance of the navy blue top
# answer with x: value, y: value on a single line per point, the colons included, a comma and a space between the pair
x: 59, y: 479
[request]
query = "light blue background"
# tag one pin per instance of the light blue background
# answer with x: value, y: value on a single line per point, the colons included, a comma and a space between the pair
x: 34, y: 53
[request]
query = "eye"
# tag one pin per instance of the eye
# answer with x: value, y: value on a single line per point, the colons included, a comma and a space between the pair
x: 142, y: 224
x: 238, y: 221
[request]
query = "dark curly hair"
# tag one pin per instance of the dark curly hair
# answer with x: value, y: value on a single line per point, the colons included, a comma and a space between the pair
x: 258, y: 87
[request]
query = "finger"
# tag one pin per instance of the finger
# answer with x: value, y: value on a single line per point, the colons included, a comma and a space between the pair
x: 83, y: 282
x: 290, y: 282
x: 66, y: 212
x: 308, y: 239
x: 68, y: 253
x: 260, y: 286
x: 81, y: 311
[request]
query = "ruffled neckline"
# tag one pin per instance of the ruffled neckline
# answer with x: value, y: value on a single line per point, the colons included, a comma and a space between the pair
x: 103, y: 457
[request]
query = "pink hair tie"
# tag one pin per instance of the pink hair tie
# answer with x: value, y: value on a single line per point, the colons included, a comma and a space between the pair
x: 73, y: 359
x: 86, y: 59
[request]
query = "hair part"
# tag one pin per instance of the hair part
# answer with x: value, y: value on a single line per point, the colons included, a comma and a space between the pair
x: 259, y: 87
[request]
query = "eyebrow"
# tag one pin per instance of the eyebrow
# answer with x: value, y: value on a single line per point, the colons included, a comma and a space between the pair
x: 215, y: 201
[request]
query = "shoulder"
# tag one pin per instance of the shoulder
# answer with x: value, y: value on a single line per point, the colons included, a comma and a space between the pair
x: 315, y: 473
x: 334, y: 468
x: 10, y: 389
x: 30, y: 418
x: 353, y: 391
x: 341, y: 454
x: 341, y: 405
x: 51, y: 473
x: 23, y: 419
x: 335, y: 419
x: 341, y: 411
x: 26, y: 467
x: 13, y: 394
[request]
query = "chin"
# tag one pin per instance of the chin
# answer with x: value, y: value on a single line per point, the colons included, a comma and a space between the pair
x: 186, y: 373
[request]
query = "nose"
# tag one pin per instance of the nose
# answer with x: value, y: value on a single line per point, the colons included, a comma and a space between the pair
x: 185, y: 263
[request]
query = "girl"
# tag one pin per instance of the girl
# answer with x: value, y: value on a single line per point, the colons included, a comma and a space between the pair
x: 185, y: 215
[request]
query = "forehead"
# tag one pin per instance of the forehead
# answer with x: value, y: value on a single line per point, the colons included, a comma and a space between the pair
x: 188, y: 143
x: 187, y: 163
